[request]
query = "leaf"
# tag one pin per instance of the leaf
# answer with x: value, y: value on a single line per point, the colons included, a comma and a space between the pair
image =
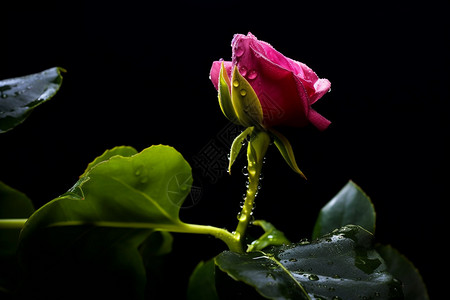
x: 341, y: 265
x: 413, y: 286
x: 245, y: 101
x: 224, y: 96
x: 124, y: 151
x: 201, y: 283
x: 13, y: 205
x: 125, y: 199
x: 271, y: 237
x: 350, y: 206
x: 237, y: 145
x: 19, y: 96
x: 286, y: 151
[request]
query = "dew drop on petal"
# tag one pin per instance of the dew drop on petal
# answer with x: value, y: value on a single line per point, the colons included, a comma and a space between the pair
x: 243, y: 92
x: 243, y: 70
x: 235, y: 83
x: 252, y: 74
x: 239, y: 51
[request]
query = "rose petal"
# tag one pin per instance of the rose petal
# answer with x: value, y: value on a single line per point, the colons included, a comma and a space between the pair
x: 215, y: 71
x: 318, y: 120
x: 283, y: 98
x: 322, y: 86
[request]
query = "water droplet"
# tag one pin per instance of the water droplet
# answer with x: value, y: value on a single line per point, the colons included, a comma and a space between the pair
x: 243, y: 92
x: 252, y: 74
x: 293, y: 259
x: 304, y: 242
x: 270, y: 275
x: 4, y: 96
x: 243, y: 70
x: 313, y: 277
x: 244, y: 171
x: 239, y: 51
x: 235, y: 83
x: 145, y: 179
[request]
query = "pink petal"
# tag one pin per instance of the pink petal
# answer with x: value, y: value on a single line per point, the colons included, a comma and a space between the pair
x: 215, y: 71
x: 318, y: 120
x: 322, y: 86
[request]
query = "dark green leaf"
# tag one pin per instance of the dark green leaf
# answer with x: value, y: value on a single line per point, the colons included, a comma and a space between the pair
x: 19, y: 96
x: 13, y: 205
x: 413, y: 286
x: 202, y: 284
x: 271, y: 237
x: 350, y: 206
x: 99, y: 225
x: 341, y: 265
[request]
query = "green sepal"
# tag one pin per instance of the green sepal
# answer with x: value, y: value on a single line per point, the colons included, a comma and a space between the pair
x: 271, y: 237
x: 237, y: 146
x: 286, y: 151
x: 224, y: 96
x: 257, y: 147
x: 245, y: 101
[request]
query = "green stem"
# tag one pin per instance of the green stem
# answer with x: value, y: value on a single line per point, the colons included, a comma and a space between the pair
x: 228, y: 238
x: 244, y: 217
x: 12, y: 223
x: 256, y: 150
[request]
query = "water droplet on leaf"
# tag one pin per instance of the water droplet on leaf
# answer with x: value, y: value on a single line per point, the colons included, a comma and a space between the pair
x: 243, y: 92
x: 235, y: 83
x: 313, y: 277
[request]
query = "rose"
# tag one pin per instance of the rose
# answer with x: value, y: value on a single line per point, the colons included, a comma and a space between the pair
x: 285, y: 88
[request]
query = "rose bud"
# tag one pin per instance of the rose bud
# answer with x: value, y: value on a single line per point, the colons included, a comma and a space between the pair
x: 284, y: 88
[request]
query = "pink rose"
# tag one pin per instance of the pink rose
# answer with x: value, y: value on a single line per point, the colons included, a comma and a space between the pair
x: 285, y: 88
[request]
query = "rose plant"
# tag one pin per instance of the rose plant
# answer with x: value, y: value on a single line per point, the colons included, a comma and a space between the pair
x: 109, y: 235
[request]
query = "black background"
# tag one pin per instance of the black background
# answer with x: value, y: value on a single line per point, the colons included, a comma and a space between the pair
x: 137, y: 74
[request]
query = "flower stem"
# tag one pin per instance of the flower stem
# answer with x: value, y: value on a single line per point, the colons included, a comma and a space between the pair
x: 257, y: 147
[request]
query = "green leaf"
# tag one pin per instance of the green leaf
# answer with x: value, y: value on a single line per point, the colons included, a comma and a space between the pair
x: 271, y: 237
x: 201, y: 283
x: 225, y: 98
x: 124, y: 151
x: 245, y: 101
x: 402, y: 268
x: 341, y: 265
x: 19, y: 96
x: 350, y: 206
x: 13, y: 205
x: 286, y: 151
x: 237, y: 145
x: 125, y: 199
